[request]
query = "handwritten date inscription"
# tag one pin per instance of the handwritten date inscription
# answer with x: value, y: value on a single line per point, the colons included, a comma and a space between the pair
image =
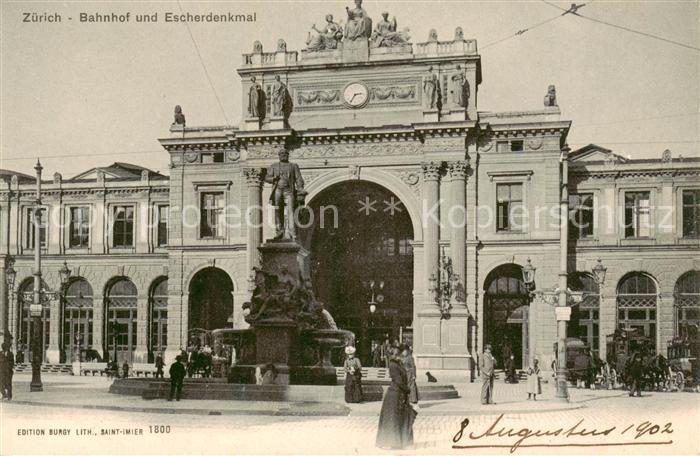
x: 498, y: 435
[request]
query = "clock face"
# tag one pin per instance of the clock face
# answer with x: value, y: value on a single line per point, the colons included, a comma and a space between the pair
x: 356, y: 95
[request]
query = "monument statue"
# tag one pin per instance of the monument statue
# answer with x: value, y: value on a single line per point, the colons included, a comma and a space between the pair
x: 254, y: 99
x: 328, y: 38
x: 551, y: 98
x: 459, y: 34
x: 359, y: 24
x: 279, y: 98
x: 287, y: 191
x: 385, y: 34
x: 179, y: 116
x: 431, y: 89
x: 281, y: 45
x: 460, y: 89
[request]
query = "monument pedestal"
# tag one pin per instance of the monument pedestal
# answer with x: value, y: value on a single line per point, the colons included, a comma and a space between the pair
x: 276, y: 123
x: 285, y: 253
x: 276, y: 343
x: 252, y: 124
x: 431, y: 115
x: 455, y: 114
x: 355, y: 51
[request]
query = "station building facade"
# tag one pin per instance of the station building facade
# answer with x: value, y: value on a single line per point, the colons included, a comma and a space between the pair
x: 422, y: 213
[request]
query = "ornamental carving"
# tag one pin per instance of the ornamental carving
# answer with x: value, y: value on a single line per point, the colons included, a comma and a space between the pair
x: 458, y: 169
x: 317, y: 97
x: 345, y: 150
x: 233, y: 155
x: 253, y: 176
x: 534, y: 143
x: 406, y: 92
x: 410, y: 178
x: 431, y: 171
x: 191, y: 157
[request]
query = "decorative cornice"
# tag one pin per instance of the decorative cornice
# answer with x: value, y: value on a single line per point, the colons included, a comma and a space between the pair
x: 617, y: 173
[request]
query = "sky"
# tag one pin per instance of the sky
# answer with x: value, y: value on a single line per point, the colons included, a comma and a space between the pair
x: 80, y: 95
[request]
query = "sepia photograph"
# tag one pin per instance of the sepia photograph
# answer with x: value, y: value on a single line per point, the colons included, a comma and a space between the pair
x: 349, y: 227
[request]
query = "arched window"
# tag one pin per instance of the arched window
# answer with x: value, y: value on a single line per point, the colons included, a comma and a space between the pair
x: 585, y: 317
x: 686, y: 297
x: 24, y: 333
x: 77, y: 319
x: 120, y: 336
x: 636, y: 304
x: 159, y: 315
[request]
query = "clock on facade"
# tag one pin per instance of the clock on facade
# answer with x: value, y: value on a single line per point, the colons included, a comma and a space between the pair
x: 355, y: 95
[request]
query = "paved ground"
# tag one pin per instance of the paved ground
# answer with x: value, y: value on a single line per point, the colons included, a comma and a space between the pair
x: 192, y: 430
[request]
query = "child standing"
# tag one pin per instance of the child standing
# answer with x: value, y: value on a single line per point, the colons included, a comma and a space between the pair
x: 533, y: 381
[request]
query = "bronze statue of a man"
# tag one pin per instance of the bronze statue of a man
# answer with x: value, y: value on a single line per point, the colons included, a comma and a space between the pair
x: 287, y: 188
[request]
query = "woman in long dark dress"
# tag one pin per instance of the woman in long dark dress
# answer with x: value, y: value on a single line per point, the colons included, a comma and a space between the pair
x: 397, y: 416
x: 353, y: 377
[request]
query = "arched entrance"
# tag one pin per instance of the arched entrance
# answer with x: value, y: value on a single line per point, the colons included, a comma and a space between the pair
x: 211, y: 301
x: 158, y: 305
x: 77, y: 319
x: 585, y: 317
x: 25, y: 322
x: 506, y: 314
x: 686, y: 301
x: 121, y: 304
x: 360, y: 244
x: 636, y: 305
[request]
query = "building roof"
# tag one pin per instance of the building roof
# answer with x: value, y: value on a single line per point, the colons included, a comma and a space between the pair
x: 6, y: 175
x: 118, y: 171
x: 594, y: 152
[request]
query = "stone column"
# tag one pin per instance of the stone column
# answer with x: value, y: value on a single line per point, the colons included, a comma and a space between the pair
x: 456, y: 219
x: 143, y: 318
x: 4, y: 325
x: 98, y: 323
x: 431, y: 219
x: 53, y: 352
x: 254, y: 216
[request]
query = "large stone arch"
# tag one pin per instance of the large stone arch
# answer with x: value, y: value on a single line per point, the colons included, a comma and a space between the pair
x: 383, y: 178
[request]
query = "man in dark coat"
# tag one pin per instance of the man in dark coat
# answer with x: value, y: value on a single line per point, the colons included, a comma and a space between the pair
x: 7, y: 365
x: 159, y: 365
x: 636, y: 370
x: 487, y: 366
x: 177, y: 377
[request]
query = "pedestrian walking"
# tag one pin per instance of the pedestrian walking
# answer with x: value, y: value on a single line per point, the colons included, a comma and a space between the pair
x: 353, y: 376
x: 7, y: 368
x: 159, y: 365
x: 177, y: 377
x: 487, y: 366
x: 534, y: 377
x: 125, y: 370
x: 396, y: 417
x: 636, y: 370
x: 410, y: 365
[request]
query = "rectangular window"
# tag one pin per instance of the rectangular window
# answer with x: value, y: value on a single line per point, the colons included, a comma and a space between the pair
x: 29, y: 233
x: 123, y: 226
x: 516, y: 145
x: 162, y: 230
x: 509, y: 207
x: 580, y: 215
x: 79, y: 236
x: 211, y: 215
x: 637, y: 215
x: 691, y: 213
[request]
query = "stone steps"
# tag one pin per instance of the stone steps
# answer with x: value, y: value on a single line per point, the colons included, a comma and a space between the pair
x: 64, y: 369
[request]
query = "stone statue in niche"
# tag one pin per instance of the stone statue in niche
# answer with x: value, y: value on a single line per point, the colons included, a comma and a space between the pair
x: 431, y: 90
x: 327, y: 38
x: 255, y: 101
x: 257, y: 47
x: 179, y: 116
x: 281, y: 45
x: 551, y: 98
x: 460, y: 88
x: 359, y: 24
x: 385, y: 34
x: 279, y: 98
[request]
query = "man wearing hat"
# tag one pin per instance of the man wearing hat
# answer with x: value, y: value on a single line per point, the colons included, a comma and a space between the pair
x: 177, y: 377
x: 487, y: 365
x: 353, y: 376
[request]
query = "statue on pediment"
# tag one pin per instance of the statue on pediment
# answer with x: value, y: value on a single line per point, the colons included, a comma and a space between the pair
x: 179, y: 116
x: 460, y: 89
x: 359, y: 23
x: 385, y: 34
x: 431, y: 89
x: 279, y: 98
x: 255, y: 107
x: 551, y: 98
x: 327, y: 38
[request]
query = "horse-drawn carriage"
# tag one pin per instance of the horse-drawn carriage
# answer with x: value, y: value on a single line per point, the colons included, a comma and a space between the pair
x: 623, y: 345
x: 212, y: 352
x: 683, y: 353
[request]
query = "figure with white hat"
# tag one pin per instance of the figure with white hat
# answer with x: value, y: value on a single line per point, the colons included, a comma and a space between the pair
x: 353, y: 376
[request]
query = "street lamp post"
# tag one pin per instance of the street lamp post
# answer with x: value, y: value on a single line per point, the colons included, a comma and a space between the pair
x: 10, y: 275
x: 35, y: 306
x: 563, y: 314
